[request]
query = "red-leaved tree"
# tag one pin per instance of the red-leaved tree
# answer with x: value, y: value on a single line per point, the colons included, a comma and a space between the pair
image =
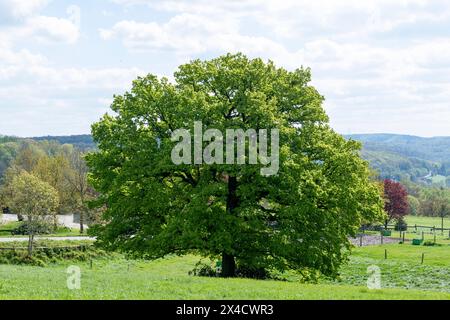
x: 396, y: 200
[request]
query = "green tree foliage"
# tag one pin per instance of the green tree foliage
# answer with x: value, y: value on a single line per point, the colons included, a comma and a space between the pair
x: 299, y: 218
x: 8, y: 151
x: 34, y: 199
x: 414, y: 205
x: 435, y: 202
x: 54, y: 171
x: 82, y: 191
x: 61, y: 166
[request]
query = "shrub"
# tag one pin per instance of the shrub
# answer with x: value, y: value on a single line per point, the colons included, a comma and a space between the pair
x: 43, y: 256
x: 202, y: 269
x: 431, y: 243
x: 41, y: 228
x: 401, y: 225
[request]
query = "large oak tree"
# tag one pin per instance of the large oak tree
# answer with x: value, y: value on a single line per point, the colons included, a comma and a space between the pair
x: 299, y: 218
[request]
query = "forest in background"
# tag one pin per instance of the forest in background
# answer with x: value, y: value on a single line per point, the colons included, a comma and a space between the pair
x: 56, y: 163
x: 422, y: 165
x: 414, y: 159
x: 424, y: 161
x: 419, y: 160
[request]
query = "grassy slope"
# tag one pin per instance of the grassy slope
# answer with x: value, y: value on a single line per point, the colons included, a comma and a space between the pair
x: 168, y: 279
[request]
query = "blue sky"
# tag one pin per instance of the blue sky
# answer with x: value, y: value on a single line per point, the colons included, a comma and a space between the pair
x: 382, y: 65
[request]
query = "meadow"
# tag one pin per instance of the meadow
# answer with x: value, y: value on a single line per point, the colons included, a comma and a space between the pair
x: 5, y: 231
x: 427, y: 221
x: 402, y: 274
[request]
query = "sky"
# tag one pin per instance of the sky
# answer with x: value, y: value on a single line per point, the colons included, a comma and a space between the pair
x: 382, y: 65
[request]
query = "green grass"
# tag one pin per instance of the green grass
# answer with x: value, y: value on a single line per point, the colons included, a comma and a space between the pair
x: 5, y: 231
x: 403, y: 277
x: 427, y: 221
x: 168, y: 279
x: 439, y: 180
x: 48, y: 252
x: 427, y: 236
x: 402, y: 268
x: 46, y: 243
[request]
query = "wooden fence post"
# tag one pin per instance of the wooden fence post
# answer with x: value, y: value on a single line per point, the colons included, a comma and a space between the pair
x: 423, y: 257
x: 385, y: 254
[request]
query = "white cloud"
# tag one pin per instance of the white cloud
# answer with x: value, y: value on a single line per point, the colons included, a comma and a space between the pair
x: 17, y: 9
x: 187, y: 33
x: 22, y: 20
x: 376, y: 62
x: 378, y: 59
x: 52, y: 29
x: 57, y: 100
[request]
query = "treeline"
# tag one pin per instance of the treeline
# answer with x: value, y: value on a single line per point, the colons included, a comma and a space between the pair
x: 428, y: 201
x: 61, y: 167
x: 83, y: 142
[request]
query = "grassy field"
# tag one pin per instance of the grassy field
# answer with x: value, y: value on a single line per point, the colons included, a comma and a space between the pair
x: 427, y: 221
x: 5, y: 231
x: 439, y: 180
x: 403, y: 267
x: 5, y: 228
x: 403, y: 277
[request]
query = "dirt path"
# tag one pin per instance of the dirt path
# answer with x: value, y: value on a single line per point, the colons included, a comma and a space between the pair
x: 373, y: 240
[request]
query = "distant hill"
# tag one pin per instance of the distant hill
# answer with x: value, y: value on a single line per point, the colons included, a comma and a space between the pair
x: 84, y: 142
x: 433, y: 149
x: 10, y: 146
x: 423, y: 160
x: 413, y: 158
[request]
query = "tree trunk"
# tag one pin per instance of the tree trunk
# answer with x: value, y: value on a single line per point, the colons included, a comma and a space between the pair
x: 228, y: 260
x: 30, y: 245
x: 228, y: 266
x: 82, y: 213
x: 81, y: 222
x: 30, y: 238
